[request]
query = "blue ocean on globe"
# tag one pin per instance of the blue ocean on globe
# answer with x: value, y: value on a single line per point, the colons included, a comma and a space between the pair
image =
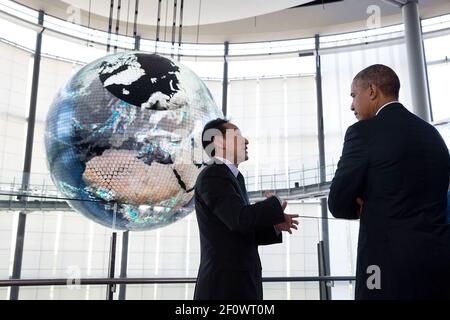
x: 123, y: 140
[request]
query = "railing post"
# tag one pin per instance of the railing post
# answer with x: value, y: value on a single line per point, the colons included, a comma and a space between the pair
x: 325, y: 290
x: 124, y: 264
x: 274, y: 180
x: 111, y: 288
x: 318, y: 174
x: 332, y: 168
x: 303, y: 175
x: 246, y: 180
x: 289, y: 181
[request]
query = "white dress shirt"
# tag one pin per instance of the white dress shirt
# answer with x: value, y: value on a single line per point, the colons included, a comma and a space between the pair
x: 230, y: 165
x: 384, y: 105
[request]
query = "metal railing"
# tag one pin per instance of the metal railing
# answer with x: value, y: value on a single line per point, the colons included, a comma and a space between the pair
x: 291, y: 178
x: 325, y: 283
x: 115, y: 281
x: 293, y: 184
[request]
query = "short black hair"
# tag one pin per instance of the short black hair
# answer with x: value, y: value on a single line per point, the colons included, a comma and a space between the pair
x: 382, y: 76
x: 217, y: 124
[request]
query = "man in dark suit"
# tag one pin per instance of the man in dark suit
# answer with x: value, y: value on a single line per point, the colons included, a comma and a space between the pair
x: 448, y: 205
x: 230, y: 227
x: 394, y: 174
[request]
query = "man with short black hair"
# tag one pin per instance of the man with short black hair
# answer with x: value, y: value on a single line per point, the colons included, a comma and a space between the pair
x: 394, y: 174
x: 230, y: 227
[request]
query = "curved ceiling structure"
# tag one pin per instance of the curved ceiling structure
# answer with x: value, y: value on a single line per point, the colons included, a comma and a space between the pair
x: 214, y: 21
x: 211, y: 11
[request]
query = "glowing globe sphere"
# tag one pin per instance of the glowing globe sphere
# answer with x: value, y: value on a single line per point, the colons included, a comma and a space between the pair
x: 123, y: 140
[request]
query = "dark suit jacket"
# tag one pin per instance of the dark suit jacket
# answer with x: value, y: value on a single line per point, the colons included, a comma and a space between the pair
x: 448, y: 205
x: 399, y: 165
x: 230, y: 232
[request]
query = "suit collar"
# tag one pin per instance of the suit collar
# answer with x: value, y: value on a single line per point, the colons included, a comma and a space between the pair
x: 384, y: 105
x: 388, y: 106
x: 230, y: 165
x: 233, y: 170
x: 221, y: 164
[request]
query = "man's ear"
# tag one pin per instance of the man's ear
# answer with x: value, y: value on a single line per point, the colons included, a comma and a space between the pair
x: 373, y: 91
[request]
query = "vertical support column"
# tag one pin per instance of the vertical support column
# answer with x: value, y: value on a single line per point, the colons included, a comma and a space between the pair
x: 427, y: 79
x: 320, y: 129
x: 416, y: 60
x: 124, y: 264
x: 111, y: 288
x: 158, y: 22
x: 18, y: 252
x: 325, y: 292
x: 225, y: 79
x: 110, y: 22
x: 322, y: 164
x: 119, y: 5
x: 180, y: 29
x: 137, y: 43
x: 137, y: 39
x: 174, y: 26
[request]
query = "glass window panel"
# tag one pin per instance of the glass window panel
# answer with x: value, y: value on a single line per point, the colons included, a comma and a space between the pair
x: 271, y: 47
x: 88, y: 34
x: 362, y: 37
x: 437, y: 48
x: 18, y: 10
x: 14, y: 90
x: 81, y: 53
x: 438, y: 76
x: 436, y: 23
x: 17, y: 35
x: 338, y: 70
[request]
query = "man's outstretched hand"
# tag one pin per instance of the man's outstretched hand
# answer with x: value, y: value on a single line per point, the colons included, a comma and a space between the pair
x: 289, y: 223
x: 289, y: 219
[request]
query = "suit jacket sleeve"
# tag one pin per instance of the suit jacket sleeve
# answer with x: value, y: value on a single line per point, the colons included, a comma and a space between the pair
x: 349, y: 178
x: 219, y: 194
x: 268, y: 236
